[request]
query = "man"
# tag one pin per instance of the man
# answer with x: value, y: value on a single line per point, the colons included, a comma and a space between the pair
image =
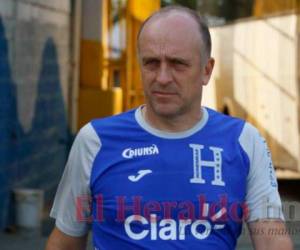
x: 170, y: 174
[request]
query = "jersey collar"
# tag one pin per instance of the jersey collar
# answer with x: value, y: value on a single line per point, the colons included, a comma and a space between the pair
x: 170, y: 135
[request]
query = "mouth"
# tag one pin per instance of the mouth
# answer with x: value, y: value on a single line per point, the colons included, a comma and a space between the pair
x: 163, y: 94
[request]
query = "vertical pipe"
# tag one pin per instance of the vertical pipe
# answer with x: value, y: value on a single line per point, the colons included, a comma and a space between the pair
x: 76, y: 6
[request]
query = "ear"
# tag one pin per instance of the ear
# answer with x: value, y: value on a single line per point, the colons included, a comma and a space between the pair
x: 207, y: 71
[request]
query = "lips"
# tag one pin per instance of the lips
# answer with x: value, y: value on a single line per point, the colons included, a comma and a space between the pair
x: 163, y: 94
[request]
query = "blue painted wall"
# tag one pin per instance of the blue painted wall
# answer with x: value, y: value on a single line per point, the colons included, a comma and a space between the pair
x: 8, y: 128
x: 34, y: 159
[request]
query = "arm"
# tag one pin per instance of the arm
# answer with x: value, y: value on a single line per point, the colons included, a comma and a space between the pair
x: 72, y: 208
x: 265, y: 218
x: 61, y: 241
x: 269, y: 234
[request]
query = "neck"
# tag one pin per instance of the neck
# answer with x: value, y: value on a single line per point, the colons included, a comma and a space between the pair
x: 172, y: 123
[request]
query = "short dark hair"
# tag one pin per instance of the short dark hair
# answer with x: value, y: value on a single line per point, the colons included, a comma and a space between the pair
x: 203, y: 28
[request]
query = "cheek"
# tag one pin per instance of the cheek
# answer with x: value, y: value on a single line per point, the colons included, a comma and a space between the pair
x: 147, y: 80
x: 191, y: 89
x: 147, y: 76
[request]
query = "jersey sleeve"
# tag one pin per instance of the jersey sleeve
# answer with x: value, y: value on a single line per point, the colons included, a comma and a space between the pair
x: 262, y: 197
x: 71, y: 207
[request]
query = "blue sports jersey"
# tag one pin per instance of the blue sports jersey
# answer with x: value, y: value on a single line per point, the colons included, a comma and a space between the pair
x: 155, y: 190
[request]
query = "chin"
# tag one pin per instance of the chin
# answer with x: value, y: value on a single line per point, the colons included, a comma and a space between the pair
x: 167, y: 110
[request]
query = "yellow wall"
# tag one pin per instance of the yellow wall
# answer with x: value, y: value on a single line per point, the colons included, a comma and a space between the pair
x: 90, y: 63
x: 265, y: 7
x: 141, y: 9
x: 95, y: 98
x: 96, y: 103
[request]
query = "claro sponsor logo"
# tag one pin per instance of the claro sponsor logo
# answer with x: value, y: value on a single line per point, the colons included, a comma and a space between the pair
x: 167, y: 229
x: 136, y: 152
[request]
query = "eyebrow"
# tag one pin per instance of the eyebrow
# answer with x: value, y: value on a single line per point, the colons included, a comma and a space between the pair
x: 169, y: 58
x: 149, y: 58
x: 178, y: 59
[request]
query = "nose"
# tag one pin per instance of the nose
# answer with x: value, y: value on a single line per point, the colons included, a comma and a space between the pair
x: 164, y: 75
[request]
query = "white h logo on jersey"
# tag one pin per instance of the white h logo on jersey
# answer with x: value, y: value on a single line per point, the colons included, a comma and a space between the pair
x: 198, y: 163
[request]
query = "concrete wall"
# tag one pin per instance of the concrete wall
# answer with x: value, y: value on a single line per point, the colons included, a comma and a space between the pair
x: 256, y: 74
x: 34, y: 82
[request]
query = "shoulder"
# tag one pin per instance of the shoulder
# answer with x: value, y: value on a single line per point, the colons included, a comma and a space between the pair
x: 87, y: 139
x: 235, y: 129
x: 111, y: 122
x: 217, y: 116
x: 224, y: 125
x: 250, y: 139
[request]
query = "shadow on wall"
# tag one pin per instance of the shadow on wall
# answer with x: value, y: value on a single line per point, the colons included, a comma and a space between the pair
x: 9, y: 128
x: 35, y: 159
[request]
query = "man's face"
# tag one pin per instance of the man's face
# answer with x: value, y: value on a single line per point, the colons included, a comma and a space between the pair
x: 170, y: 52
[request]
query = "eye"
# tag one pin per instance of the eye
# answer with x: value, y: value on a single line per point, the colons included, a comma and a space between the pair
x: 179, y: 64
x: 151, y: 63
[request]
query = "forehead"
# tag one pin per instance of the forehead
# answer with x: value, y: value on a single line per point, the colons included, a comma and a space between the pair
x: 173, y: 34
